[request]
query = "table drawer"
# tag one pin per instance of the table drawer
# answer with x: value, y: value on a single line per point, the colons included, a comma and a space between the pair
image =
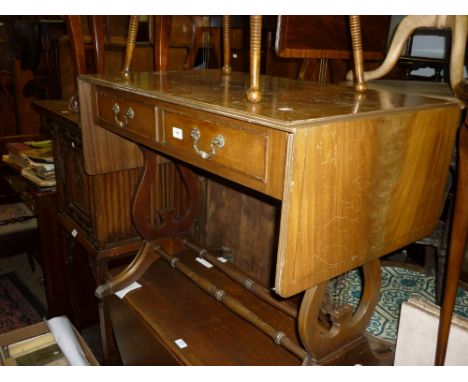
x: 126, y: 113
x: 238, y: 146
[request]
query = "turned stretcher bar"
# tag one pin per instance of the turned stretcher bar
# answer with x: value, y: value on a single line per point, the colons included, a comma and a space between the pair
x: 280, y: 338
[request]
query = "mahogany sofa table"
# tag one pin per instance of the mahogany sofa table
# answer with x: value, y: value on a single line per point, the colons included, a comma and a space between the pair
x: 353, y: 176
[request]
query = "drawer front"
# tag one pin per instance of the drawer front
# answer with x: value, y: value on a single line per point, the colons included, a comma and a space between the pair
x: 238, y: 146
x: 126, y: 113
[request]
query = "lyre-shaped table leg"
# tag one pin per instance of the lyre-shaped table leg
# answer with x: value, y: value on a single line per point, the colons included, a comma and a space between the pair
x: 171, y: 223
x: 143, y: 259
x: 322, y: 341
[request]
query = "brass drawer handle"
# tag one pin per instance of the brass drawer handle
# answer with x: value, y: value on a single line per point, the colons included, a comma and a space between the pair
x: 217, y: 142
x: 129, y: 114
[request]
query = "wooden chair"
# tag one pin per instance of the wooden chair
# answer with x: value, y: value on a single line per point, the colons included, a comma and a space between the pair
x: 459, y: 27
x: 75, y: 31
x: 326, y: 39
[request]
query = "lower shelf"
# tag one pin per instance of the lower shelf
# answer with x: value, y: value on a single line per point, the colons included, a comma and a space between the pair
x: 168, y: 307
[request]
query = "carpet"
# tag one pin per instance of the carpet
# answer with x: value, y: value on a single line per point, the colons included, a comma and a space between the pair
x: 398, y: 285
x: 18, y: 308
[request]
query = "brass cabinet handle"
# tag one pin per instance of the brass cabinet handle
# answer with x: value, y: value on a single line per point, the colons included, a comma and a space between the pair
x: 217, y: 142
x: 129, y: 114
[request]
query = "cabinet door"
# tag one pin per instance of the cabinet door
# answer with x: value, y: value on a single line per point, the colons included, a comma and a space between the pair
x: 72, y: 181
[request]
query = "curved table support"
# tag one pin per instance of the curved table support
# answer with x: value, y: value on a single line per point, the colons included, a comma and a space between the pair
x: 143, y: 259
x: 324, y: 341
x: 171, y: 223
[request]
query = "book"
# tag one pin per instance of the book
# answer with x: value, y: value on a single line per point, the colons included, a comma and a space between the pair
x: 41, y: 155
x: 16, y: 148
x: 24, y: 155
x: 41, y: 350
x: 37, y: 144
x: 29, y: 174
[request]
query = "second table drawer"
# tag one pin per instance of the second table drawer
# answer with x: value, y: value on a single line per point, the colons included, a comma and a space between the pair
x: 239, y: 146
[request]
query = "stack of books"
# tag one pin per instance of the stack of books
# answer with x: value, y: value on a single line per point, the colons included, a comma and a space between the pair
x: 41, y: 350
x: 35, y: 160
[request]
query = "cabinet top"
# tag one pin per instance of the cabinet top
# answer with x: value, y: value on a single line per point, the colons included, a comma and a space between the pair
x: 286, y: 104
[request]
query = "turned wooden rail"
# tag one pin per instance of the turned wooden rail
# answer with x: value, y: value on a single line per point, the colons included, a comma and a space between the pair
x: 279, y: 337
x: 238, y: 276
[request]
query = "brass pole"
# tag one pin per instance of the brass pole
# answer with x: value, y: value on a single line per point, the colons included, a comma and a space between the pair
x: 227, y: 44
x: 254, y: 94
x: 355, y: 26
x: 131, y: 39
x: 234, y: 305
x: 249, y: 284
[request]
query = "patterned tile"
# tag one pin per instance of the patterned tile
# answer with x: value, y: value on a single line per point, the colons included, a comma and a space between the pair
x: 398, y: 285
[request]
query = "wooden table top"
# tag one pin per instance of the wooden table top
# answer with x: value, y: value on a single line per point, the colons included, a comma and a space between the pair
x: 422, y: 88
x: 57, y: 108
x: 286, y: 104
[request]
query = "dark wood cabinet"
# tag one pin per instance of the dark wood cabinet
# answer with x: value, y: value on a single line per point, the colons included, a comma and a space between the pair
x: 94, y: 216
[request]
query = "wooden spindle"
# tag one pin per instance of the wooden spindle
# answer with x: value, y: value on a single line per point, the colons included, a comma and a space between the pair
x: 227, y: 44
x: 254, y: 94
x: 234, y: 305
x: 131, y: 40
x: 255, y: 288
x: 355, y: 26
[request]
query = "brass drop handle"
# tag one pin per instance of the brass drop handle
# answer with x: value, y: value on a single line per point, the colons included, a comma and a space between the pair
x: 129, y: 114
x: 217, y: 142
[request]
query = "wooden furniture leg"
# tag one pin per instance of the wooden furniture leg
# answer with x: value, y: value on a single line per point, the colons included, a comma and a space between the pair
x: 143, y: 259
x: 161, y: 34
x: 227, y: 44
x: 197, y: 40
x: 254, y: 94
x: 355, y: 26
x: 170, y: 223
x: 457, y: 247
x: 110, y: 351
x: 131, y: 40
x: 342, y: 339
